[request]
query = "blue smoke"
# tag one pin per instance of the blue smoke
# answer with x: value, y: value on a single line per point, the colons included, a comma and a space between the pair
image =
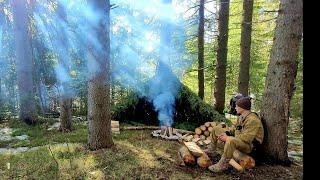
x: 147, y: 46
x: 162, y: 90
x: 150, y: 58
x: 55, y: 32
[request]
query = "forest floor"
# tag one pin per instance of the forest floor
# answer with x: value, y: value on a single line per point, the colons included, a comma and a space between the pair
x: 135, y: 155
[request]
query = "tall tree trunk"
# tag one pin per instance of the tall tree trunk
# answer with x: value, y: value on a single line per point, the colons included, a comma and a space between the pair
x: 99, y: 116
x: 66, y: 95
x: 280, y: 81
x: 0, y: 99
x: 1, y: 60
x: 39, y: 92
x: 201, y: 51
x: 24, y: 62
x: 245, y: 45
x: 220, y: 79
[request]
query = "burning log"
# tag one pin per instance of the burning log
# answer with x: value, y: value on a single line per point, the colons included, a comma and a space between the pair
x: 167, y: 132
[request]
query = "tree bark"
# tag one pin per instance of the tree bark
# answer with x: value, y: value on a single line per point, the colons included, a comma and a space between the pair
x: 280, y: 81
x: 0, y: 99
x: 201, y: 51
x: 99, y: 115
x: 222, y: 51
x: 2, y: 23
x: 66, y: 95
x: 245, y: 45
x: 24, y: 63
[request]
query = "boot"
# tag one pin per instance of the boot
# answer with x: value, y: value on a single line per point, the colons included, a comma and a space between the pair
x: 221, y: 166
x: 211, y: 150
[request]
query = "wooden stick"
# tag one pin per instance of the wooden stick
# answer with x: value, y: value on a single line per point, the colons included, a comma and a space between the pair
x: 140, y: 128
x: 234, y: 164
x: 194, y: 148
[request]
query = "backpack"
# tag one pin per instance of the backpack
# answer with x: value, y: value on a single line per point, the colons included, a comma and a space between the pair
x: 233, y: 101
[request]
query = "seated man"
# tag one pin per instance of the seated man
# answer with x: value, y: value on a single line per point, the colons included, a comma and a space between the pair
x: 248, y: 130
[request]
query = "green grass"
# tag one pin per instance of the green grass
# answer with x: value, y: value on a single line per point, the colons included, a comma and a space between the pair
x: 39, y: 135
x: 135, y: 155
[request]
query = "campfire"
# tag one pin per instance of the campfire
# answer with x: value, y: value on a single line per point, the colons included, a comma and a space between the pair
x: 167, y: 132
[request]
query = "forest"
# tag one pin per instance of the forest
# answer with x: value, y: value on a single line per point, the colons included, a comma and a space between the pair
x: 86, y: 85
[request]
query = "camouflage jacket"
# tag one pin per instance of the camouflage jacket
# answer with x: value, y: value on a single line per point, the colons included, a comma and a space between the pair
x: 249, y: 128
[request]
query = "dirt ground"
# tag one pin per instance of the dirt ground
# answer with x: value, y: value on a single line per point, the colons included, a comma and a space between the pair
x: 135, y: 155
x: 261, y: 171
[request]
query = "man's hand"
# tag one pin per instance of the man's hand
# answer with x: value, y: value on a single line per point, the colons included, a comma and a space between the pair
x: 223, y: 137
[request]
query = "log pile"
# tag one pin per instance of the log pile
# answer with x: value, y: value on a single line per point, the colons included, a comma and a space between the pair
x: 190, y: 154
x: 202, y: 134
x: 115, y: 127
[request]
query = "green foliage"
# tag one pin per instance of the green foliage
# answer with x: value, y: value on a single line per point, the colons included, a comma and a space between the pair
x: 190, y: 126
x: 189, y: 108
x: 262, y: 39
x: 296, y: 110
x: 196, y: 110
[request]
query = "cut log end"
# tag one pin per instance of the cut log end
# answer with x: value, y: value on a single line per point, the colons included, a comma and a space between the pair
x: 186, y: 156
x: 237, y: 166
x: 204, y: 161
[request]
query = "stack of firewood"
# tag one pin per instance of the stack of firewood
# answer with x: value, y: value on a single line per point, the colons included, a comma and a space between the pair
x: 202, y: 135
x: 115, y: 127
x: 191, y: 152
